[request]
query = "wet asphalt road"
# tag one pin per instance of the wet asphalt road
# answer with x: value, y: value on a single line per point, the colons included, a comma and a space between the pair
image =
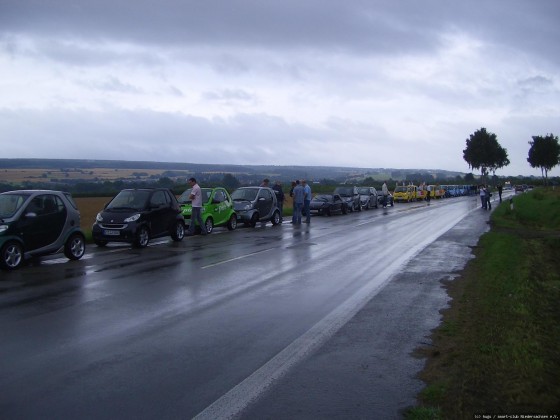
x: 302, y: 322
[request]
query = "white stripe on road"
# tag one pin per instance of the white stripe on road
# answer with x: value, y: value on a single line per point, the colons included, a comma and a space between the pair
x: 236, y: 258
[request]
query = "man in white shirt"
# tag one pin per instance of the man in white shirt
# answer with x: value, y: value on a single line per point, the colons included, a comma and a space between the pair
x: 196, y: 215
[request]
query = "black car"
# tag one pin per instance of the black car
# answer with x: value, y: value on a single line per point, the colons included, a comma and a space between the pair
x: 328, y: 204
x: 368, y: 197
x: 138, y: 215
x: 390, y: 201
x: 38, y: 222
x: 350, y: 196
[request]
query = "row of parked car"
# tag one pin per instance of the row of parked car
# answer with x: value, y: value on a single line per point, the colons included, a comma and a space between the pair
x: 41, y: 222
x: 348, y: 199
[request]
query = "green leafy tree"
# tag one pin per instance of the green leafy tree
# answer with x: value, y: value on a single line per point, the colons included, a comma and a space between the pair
x: 544, y: 153
x: 485, y: 153
x: 230, y: 182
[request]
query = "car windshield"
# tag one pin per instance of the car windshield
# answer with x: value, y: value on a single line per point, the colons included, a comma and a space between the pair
x: 10, y: 204
x: 344, y: 191
x: 244, y: 194
x: 184, y: 198
x: 323, y: 197
x: 363, y: 191
x: 130, y: 199
x: 400, y: 189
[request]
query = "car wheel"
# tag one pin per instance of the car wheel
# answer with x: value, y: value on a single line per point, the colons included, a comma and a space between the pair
x: 142, y: 237
x: 232, y: 222
x: 75, y: 247
x: 209, y: 225
x: 275, y: 218
x: 328, y: 212
x: 100, y: 243
x: 344, y: 209
x: 12, y: 255
x: 254, y: 220
x: 178, y: 233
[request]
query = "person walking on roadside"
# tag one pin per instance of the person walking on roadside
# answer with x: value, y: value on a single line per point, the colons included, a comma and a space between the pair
x: 299, y: 196
x: 482, y: 193
x: 428, y: 193
x: 280, y: 197
x: 385, y: 193
x: 306, y: 200
x: 196, y: 199
x: 500, y: 190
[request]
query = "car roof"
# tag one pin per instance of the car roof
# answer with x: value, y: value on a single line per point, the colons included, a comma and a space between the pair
x: 36, y: 192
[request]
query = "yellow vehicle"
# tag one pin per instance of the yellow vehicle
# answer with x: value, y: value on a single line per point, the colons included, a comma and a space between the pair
x: 422, y: 192
x: 436, y: 191
x: 405, y: 193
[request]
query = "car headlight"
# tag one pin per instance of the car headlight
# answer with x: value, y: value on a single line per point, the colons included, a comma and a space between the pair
x: 132, y: 218
x: 248, y: 207
x: 3, y: 228
x: 99, y: 218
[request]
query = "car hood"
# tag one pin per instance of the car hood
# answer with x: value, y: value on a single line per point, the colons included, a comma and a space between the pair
x: 241, y: 204
x: 118, y: 216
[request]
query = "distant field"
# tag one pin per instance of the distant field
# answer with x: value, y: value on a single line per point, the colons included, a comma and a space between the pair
x: 89, y: 207
x: 93, y: 174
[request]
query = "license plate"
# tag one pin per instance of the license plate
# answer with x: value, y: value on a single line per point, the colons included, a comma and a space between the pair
x: 111, y: 232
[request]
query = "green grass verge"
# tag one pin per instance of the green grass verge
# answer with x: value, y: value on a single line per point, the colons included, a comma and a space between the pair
x: 497, y: 348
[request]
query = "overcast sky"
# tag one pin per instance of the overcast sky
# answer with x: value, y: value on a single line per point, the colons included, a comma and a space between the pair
x: 387, y: 83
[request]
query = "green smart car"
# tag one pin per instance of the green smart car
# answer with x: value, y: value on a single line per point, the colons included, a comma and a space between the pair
x: 217, y: 208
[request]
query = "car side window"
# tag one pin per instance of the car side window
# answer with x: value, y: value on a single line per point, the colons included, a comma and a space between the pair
x: 158, y: 199
x: 219, y: 197
x: 266, y: 194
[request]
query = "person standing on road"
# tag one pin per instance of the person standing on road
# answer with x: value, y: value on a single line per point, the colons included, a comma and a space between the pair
x: 385, y: 193
x: 299, y: 195
x: 428, y: 193
x: 196, y: 199
x: 280, y: 198
x: 265, y: 182
x: 306, y: 201
x: 500, y: 190
x: 488, y: 194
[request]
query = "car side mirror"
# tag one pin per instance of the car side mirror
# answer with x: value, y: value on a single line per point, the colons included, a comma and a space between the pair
x: 262, y: 199
x: 30, y: 215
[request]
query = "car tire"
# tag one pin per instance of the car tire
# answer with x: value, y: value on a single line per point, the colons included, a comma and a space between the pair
x: 344, y: 209
x: 232, y: 222
x: 254, y: 220
x: 142, y: 237
x: 209, y: 225
x: 275, y: 218
x: 75, y: 247
x: 178, y: 233
x: 328, y: 212
x: 12, y: 255
x: 100, y: 243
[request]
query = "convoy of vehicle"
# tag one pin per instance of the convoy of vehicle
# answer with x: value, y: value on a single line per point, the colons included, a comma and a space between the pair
x: 137, y: 216
x: 217, y: 208
x: 41, y: 222
x: 38, y: 222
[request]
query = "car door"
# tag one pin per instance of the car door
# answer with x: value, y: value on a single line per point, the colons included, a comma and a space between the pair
x: 219, y: 206
x: 47, y: 225
x: 160, y: 212
x: 264, y: 203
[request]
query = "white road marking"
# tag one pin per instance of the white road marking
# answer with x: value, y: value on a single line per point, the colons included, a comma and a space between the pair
x: 236, y: 258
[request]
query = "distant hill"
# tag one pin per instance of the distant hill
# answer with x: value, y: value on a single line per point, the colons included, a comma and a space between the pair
x: 135, y: 169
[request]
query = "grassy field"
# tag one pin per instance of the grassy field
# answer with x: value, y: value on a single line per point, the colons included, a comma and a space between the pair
x: 496, y: 351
